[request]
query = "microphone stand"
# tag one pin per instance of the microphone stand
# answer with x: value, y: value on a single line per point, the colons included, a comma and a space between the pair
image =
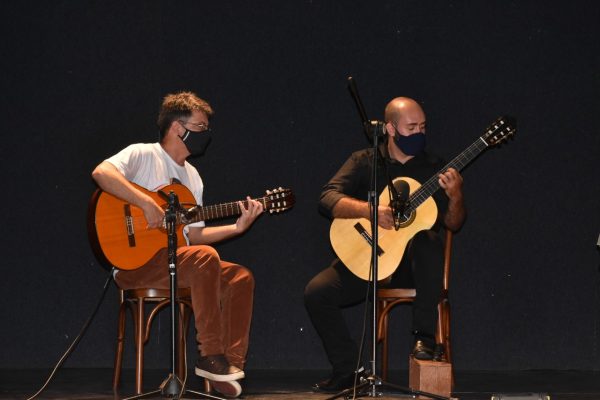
x: 172, y: 387
x: 374, y: 131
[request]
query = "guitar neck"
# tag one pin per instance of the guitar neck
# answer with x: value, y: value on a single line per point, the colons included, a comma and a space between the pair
x: 217, y: 211
x: 432, y: 185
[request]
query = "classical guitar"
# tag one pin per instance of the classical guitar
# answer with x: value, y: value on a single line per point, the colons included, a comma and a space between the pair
x: 118, y: 231
x: 351, y: 238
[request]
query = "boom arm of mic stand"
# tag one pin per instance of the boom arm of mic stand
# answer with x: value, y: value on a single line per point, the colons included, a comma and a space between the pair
x: 357, y: 100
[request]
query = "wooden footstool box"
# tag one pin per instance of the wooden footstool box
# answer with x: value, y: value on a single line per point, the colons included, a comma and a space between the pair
x: 430, y: 376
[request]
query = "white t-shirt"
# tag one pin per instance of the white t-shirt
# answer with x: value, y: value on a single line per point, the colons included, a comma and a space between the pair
x: 149, y: 165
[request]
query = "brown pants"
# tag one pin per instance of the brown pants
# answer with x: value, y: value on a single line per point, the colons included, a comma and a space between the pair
x: 222, y: 295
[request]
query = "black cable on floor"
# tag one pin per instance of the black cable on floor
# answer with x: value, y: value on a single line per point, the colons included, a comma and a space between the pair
x: 79, y: 336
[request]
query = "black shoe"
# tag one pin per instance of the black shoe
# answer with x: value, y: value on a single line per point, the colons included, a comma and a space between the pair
x: 439, y: 353
x: 216, y: 368
x: 339, y: 382
x: 421, y: 351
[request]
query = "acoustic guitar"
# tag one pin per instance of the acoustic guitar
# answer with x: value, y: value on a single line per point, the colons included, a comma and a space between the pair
x: 118, y: 230
x: 351, y: 237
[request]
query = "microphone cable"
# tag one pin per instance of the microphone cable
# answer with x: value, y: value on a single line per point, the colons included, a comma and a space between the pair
x: 79, y: 336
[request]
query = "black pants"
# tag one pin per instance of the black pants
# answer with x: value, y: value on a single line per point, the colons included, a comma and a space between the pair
x: 336, y: 287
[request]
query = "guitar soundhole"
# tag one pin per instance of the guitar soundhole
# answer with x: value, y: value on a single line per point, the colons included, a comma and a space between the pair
x: 406, y: 221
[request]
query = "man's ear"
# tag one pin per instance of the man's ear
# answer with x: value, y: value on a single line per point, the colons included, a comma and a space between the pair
x: 390, y: 129
x: 175, y: 127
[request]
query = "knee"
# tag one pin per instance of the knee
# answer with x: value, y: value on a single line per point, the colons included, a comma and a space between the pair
x: 245, y: 278
x: 206, y: 259
x: 314, y: 295
x: 427, y: 238
x: 208, y: 252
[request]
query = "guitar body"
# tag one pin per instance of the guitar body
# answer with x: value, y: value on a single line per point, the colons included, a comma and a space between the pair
x: 118, y: 230
x: 354, y: 250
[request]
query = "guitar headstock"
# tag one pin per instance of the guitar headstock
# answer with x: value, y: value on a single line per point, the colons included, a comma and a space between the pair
x: 278, y: 200
x: 500, y: 130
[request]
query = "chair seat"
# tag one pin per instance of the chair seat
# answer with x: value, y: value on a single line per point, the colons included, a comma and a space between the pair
x: 393, y: 293
x: 156, y: 294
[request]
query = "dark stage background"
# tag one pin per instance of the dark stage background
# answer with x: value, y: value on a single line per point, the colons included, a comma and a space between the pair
x: 81, y: 80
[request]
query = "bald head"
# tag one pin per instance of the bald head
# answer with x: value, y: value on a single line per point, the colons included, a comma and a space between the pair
x: 403, y: 117
x: 401, y: 106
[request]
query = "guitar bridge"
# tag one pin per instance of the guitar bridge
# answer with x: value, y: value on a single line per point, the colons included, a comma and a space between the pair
x: 129, y: 225
x: 363, y: 232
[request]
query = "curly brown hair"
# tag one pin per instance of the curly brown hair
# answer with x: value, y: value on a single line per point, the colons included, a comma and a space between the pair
x: 180, y: 105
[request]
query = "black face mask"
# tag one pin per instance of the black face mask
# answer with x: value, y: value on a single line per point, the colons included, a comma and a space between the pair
x: 410, y: 145
x: 196, y: 142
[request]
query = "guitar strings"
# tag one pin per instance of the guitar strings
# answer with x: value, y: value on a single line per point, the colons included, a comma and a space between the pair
x: 432, y: 184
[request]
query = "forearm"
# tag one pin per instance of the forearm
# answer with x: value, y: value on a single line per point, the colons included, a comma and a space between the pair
x: 456, y: 213
x: 112, y: 181
x: 212, y: 234
x: 348, y: 207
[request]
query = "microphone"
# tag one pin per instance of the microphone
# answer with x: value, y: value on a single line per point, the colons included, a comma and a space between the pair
x: 375, y: 128
x: 399, y: 202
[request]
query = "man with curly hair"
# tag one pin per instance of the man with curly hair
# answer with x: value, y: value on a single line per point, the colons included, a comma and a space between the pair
x: 221, y: 292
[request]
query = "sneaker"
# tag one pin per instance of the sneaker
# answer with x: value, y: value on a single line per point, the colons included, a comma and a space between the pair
x: 230, y: 389
x: 216, y: 368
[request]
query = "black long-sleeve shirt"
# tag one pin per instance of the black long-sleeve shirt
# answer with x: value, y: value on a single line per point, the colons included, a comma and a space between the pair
x: 353, y: 179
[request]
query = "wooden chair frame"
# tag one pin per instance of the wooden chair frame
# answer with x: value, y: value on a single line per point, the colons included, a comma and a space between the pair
x: 136, y: 301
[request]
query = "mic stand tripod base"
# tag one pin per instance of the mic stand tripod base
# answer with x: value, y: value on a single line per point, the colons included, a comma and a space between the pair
x: 368, y: 388
x: 171, y: 387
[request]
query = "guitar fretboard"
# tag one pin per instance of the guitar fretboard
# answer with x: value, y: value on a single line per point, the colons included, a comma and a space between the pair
x: 223, y: 210
x: 432, y: 185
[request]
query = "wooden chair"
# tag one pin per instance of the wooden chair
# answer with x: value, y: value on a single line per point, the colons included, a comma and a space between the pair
x: 387, y: 299
x: 138, y: 300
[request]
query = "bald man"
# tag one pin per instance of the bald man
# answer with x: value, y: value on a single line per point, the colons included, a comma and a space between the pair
x: 345, y: 196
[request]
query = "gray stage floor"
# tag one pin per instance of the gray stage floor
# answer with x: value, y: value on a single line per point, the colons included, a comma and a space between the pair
x: 274, y: 385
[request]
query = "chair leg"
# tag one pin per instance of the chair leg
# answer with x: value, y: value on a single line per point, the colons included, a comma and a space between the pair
x: 139, y: 346
x: 439, y: 332
x: 384, y: 342
x: 181, y: 348
x: 119, y: 351
x: 447, y: 341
